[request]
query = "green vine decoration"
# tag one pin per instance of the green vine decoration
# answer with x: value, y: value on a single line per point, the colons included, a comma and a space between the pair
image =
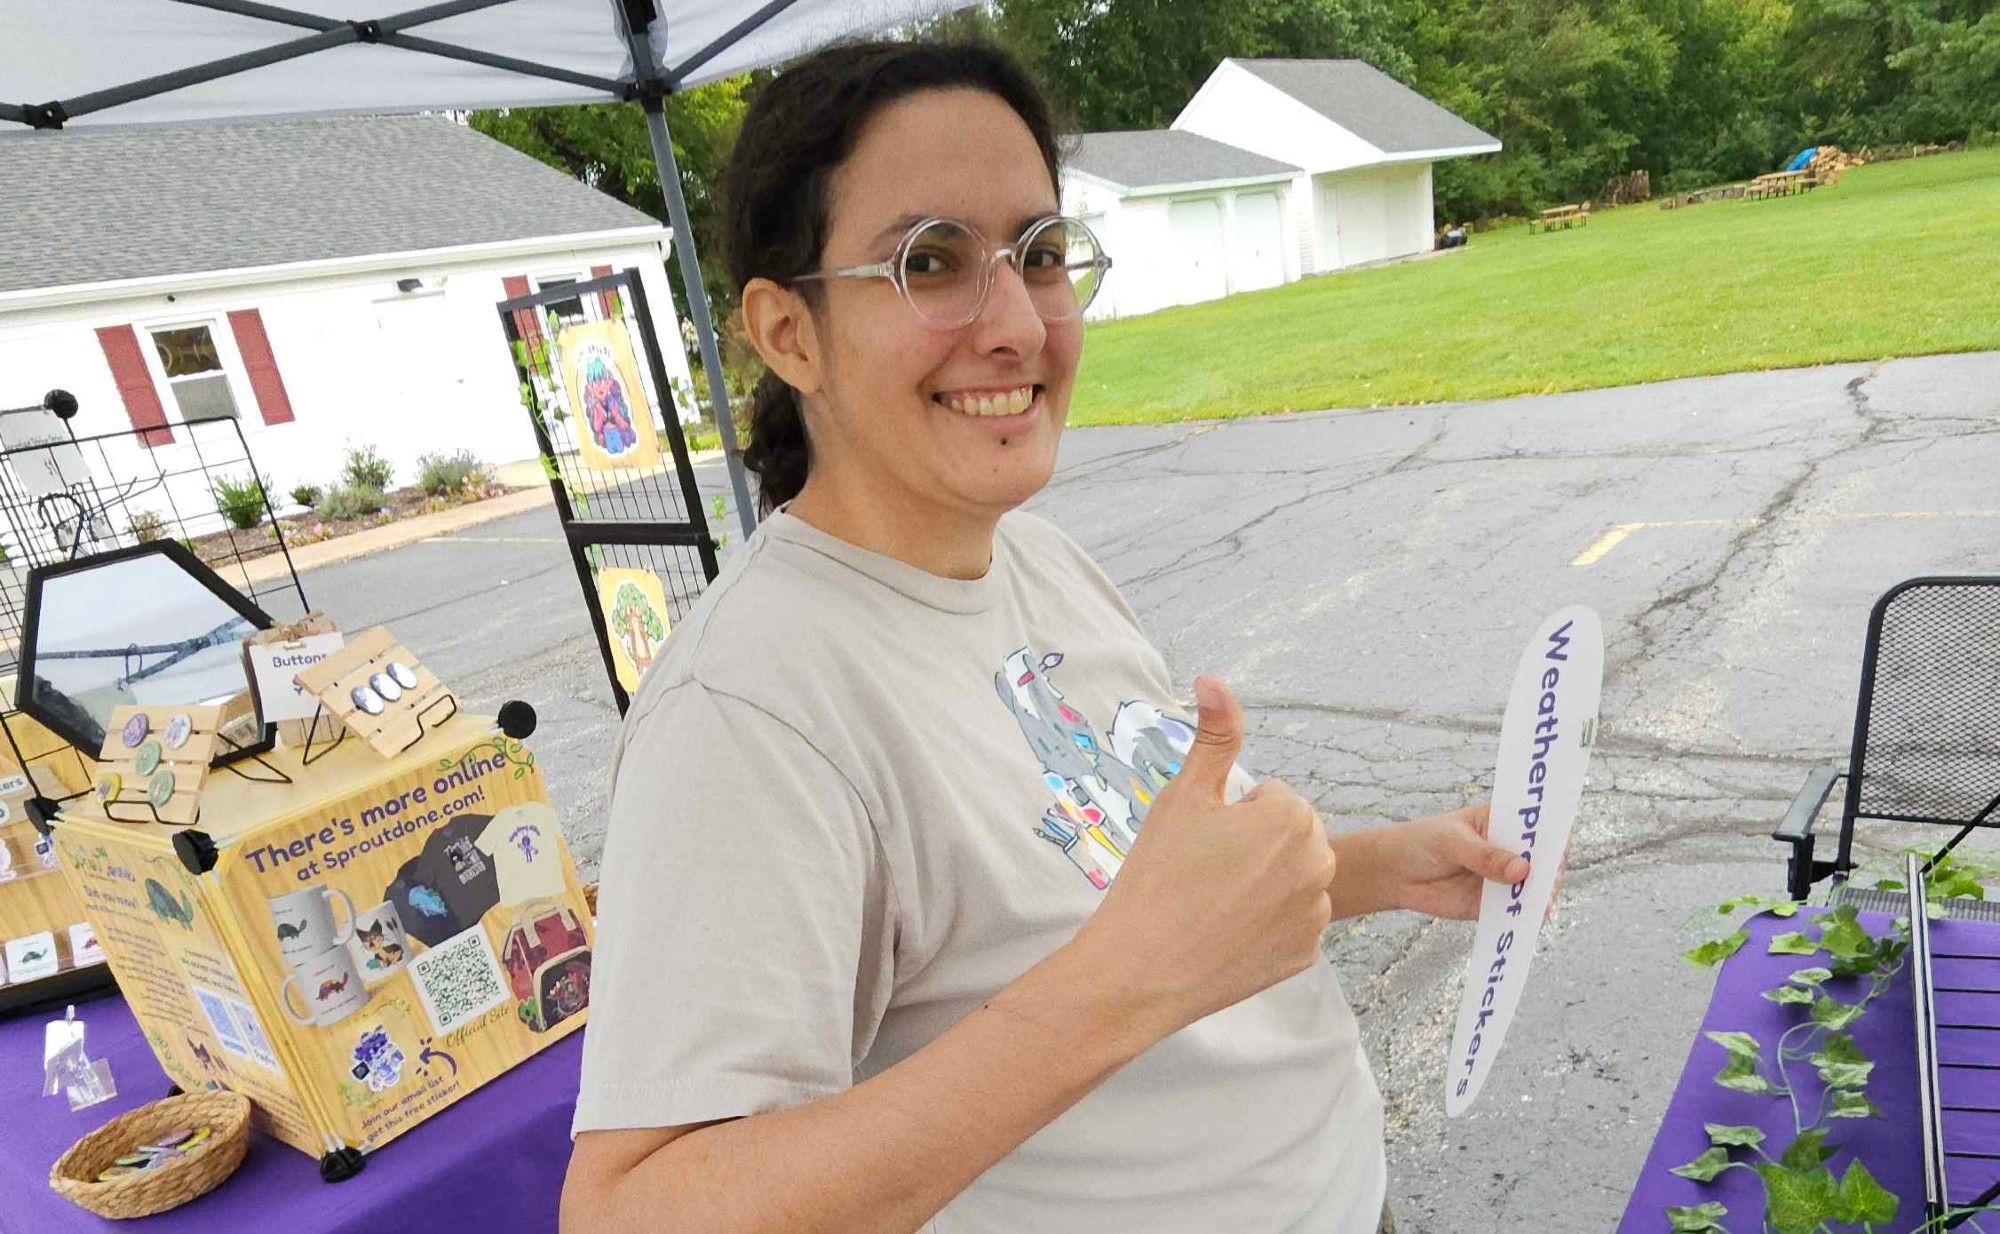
x: 1802, y: 1195
x: 512, y: 752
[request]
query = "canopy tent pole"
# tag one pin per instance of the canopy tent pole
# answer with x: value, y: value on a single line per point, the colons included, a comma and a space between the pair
x: 653, y: 84
x: 697, y: 298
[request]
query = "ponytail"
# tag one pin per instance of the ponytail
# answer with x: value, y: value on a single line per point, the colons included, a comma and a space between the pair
x: 778, y: 451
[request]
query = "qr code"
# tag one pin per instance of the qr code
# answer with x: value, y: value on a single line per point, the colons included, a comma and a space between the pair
x: 458, y: 979
x: 215, y: 1009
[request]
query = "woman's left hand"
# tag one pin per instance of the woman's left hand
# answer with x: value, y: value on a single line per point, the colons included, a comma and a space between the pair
x: 1439, y: 865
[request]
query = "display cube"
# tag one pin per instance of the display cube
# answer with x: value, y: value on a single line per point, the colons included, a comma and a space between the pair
x: 374, y: 940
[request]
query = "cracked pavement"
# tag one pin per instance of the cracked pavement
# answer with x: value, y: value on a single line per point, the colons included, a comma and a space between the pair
x: 1365, y: 581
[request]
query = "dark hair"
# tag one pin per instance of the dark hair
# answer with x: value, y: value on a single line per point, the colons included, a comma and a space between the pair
x: 777, y: 189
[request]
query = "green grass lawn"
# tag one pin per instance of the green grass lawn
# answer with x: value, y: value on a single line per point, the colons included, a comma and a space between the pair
x: 1896, y: 259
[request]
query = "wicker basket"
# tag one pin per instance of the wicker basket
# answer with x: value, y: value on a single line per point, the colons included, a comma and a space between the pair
x: 74, y: 1175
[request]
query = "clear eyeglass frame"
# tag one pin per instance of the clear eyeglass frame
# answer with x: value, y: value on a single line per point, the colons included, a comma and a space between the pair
x: 895, y: 268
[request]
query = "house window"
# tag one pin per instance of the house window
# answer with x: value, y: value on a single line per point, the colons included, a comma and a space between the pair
x: 569, y: 312
x: 194, y: 372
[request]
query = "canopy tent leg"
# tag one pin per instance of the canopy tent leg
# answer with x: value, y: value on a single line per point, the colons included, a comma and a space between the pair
x: 697, y: 300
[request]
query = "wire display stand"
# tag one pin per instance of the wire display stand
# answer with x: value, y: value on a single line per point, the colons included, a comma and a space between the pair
x: 65, y: 496
x: 642, y: 518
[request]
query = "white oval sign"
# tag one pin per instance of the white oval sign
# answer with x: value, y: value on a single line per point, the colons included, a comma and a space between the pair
x: 1544, y: 751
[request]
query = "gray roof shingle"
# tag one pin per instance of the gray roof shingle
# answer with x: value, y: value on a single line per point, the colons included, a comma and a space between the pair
x: 1147, y: 157
x: 1370, y: 104
x: 99, y: 205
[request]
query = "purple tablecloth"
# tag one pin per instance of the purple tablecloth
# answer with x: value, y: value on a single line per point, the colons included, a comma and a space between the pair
x: 493, y: 1162
x: 1966, y: 958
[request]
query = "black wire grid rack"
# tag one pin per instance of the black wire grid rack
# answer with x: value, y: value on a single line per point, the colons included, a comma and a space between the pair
x: 644, y: 518
x: 65, y: 496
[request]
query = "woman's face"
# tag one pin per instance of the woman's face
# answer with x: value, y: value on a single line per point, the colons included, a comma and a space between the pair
x: 909, y: 404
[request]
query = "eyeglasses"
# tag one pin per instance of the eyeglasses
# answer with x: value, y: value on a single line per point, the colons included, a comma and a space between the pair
x: 944, y: 269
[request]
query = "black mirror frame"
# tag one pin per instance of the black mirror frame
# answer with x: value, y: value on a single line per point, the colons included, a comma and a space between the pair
x: 194, y: 567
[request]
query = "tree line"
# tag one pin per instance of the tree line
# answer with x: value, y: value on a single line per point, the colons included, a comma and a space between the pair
x: 1695, y: 92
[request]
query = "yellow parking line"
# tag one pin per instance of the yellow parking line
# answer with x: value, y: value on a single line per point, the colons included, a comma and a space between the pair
x: 1619, y: 532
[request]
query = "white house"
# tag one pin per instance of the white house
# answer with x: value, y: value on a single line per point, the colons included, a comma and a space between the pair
x: 1343, y: 150
x: 1185, y: 218
x: 328, y: 283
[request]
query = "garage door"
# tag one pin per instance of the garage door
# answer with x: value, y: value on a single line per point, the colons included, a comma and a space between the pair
x: 1258, y: 261
x: 1196, y: 228
x: 1362, y: 208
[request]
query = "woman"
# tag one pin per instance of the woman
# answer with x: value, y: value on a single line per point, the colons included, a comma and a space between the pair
x: 863, y: 964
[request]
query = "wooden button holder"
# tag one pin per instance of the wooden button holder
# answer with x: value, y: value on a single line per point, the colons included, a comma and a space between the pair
x: 189, y: 765
x: 405, y: 719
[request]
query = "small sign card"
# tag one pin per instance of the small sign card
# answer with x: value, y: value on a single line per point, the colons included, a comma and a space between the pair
x: 1545, y: 745
x: 276, y: 662
x: 276, y: 656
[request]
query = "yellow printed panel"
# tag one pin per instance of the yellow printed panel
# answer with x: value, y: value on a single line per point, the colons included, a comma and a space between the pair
x: 615, y: 420
x: 635, y: 618
x: 157, y: 926
x: 416, y: 937
x: 397, y: 931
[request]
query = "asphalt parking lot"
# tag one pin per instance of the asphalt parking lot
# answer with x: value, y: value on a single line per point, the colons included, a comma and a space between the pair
x: 1365, y: 580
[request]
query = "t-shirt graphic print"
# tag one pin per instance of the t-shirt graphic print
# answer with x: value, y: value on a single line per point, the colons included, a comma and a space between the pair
x: 1102, y: 787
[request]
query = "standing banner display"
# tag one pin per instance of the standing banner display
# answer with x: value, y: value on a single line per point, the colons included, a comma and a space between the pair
x: 1545, y: 744
x: 630, y: 510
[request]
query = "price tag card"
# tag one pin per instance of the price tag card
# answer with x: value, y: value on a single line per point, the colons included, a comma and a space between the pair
x: 275, y: 661
x: 1545, y: 745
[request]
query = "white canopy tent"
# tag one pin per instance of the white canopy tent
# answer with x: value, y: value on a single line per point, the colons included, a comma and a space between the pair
x: 67, y: 63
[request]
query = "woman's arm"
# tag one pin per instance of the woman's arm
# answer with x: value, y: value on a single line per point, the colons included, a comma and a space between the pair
x: 1435, y: 865
x: 890, y: 1152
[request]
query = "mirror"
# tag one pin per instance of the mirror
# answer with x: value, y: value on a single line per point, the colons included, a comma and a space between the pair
x: 149, y: 626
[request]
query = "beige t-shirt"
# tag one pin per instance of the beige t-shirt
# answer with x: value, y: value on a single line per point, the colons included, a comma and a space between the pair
x: 853, y: 800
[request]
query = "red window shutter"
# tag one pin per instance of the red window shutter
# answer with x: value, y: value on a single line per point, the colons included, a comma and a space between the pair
x: 255, y: 347
x: 135, y: 384
x: 527, y: 322
x: 604, y: 298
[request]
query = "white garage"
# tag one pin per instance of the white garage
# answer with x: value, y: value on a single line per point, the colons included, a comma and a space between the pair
x: 1274, y: 170
x: 1184, y: 218
x: 1364, y: 144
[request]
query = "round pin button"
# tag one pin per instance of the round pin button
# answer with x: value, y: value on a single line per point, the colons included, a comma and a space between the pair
x: 179, y: 728
x: 136, y: 729
x: 147, y: 760
x: 108, y: 786
x: 161, y: 790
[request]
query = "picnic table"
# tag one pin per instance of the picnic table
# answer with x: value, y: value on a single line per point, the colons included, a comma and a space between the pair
x: 1561, y: 216
x: 1781, y: 184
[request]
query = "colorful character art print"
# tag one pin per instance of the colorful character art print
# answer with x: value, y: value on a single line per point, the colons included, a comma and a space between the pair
x: 1102, y: 784
x: 635, y: 620
x: 614, y: 426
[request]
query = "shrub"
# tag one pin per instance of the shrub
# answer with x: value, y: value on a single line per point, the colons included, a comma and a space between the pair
x: 438, y: 474
x: 241, y: 503
x: 351, y: 501
x: 306, y: 495
x: 148, y: 527
x: 367, y: 469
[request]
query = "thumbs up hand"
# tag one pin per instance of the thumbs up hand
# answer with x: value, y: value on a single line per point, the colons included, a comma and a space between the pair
x: 1216, y: 902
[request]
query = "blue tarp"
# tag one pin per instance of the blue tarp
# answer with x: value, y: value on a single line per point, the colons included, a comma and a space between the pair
x: 1802, y: 158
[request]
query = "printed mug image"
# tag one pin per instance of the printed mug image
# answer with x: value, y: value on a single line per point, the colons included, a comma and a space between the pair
x: 329, y: 987
x: 379, y: 946
x: 304, y: 923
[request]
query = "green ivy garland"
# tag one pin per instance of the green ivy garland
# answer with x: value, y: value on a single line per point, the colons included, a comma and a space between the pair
x: 1801, y: 1194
